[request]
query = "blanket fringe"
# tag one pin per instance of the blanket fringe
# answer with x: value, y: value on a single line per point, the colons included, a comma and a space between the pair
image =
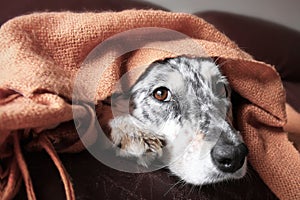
x: 13, y: 182
x: 17, y: 170
x: 47, y: 145
x: 23, y: 167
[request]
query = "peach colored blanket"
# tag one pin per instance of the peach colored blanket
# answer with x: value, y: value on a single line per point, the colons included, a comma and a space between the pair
x: 40, y: 55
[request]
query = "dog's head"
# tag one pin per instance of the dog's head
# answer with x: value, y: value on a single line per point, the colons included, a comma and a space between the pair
x: 185, y: 103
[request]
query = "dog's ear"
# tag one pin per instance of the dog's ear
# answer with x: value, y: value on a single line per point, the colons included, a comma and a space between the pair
x: 132, y: 140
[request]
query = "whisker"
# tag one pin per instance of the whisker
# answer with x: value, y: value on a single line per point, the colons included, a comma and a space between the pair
x: 183, y: 185
x: 180, y: 181
x: 191, y: 190
x: 217, y: 60
x: 222, y: 63
x: 250, y: 176
x: 199, y: 189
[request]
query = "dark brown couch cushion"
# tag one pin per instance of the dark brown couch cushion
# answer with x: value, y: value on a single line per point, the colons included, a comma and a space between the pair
x: 93, y: 180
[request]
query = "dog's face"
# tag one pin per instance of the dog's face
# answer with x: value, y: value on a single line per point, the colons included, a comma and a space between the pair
x: 184, y: 103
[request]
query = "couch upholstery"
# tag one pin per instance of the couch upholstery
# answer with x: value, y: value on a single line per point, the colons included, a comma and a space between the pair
x: 93, y: 180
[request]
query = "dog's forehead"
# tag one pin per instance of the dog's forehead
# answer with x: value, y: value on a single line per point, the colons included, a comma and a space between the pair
x: 175, y: 80
x: 160, y: 74
x: 165, y: 75
x: 182, y: 69
x: 180, y: 73
x: 210, y: 71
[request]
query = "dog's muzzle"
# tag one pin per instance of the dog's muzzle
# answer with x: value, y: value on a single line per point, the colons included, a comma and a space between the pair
x: 229, y: 157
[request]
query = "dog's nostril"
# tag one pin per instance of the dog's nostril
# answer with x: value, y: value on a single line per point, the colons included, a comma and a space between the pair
x: 229, y: 158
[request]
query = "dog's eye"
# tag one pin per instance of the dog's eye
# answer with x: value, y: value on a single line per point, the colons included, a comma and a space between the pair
x: 162, y: 94
x: 222, y: 90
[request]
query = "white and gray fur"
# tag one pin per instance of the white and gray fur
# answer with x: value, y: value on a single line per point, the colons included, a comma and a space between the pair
x: 192, y: 130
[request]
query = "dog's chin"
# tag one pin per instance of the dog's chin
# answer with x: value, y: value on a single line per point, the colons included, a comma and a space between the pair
x: 206, y: 176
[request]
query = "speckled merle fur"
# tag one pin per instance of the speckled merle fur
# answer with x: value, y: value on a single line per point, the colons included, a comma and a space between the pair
x: 197, y: 101
x: 195, y: 117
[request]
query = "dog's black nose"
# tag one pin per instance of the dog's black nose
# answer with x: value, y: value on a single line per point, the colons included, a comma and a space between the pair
x: 229, y: 158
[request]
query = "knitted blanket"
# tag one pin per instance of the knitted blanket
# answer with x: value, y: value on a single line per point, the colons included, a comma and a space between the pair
x: 40, y: 58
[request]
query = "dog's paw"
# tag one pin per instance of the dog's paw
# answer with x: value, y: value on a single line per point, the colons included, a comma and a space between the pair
x: 134, y: 141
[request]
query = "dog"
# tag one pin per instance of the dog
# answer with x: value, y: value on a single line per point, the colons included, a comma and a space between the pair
x: 180, y: 109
